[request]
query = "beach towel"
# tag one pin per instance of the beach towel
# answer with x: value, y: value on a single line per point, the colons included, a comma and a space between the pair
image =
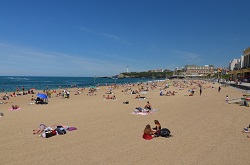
x: 11, y: 109
x: 136, y: 112
x: 71, y: 129
x: 141, y: 98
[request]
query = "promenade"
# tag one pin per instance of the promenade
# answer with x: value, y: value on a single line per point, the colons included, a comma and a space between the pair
x: 242, y: 85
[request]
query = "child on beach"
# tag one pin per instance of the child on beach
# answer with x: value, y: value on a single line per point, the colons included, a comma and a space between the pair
x: 227, y: 98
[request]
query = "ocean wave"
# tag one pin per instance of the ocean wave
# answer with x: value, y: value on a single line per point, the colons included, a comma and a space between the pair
x: 17, y: 78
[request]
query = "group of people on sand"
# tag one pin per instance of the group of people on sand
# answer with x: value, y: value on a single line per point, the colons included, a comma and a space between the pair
x: 140, y: 97
x: 55, y: 130
x: 149, y: 132
x: 109, y: 97
x: 168, y: 93
x: 147, y: 108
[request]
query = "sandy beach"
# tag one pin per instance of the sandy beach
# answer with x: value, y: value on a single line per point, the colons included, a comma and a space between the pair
x: 205, y: 129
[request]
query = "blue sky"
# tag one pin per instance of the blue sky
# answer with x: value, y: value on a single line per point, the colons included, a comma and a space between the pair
x: 103, y: 37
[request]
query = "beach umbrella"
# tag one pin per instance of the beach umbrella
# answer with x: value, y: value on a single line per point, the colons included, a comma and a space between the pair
x: 42, y: 95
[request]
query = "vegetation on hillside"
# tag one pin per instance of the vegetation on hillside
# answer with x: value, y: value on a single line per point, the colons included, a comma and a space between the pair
x: 146, y: 74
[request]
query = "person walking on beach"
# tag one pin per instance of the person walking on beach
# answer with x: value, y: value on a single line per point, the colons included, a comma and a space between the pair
x: 200, y: 91
x: 219, y: 89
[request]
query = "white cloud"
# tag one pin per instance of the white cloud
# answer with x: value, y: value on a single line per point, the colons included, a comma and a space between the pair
x: 26, y: 61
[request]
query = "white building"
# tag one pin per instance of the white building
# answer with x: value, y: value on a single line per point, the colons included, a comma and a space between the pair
x: 234, y: 64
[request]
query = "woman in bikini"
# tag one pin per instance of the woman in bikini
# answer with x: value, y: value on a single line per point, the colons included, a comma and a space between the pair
x: 148, y: 106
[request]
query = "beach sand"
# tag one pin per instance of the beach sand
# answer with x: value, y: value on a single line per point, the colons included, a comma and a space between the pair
x: 205, y: 129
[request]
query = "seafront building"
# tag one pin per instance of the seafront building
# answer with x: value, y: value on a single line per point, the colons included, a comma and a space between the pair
x: 241, y: 71
x: 235, y: 64
x: 194, y: 70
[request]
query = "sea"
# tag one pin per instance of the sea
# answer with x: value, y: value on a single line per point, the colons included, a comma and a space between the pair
x: 11, y: 83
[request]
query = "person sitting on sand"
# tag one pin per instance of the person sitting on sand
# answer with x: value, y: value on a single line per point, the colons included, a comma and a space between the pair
x: 168, y: 94
x: 246, y: 130
x: 15, y: 106
x: 157, y: 126
x: 32, y: 98
x: 109, y: 97
x: 148, y: 106
x: 148, y: 134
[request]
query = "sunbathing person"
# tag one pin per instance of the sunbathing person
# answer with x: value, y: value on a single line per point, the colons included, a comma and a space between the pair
x: 168, y: 94
x: 140, y: 97
x: 32, y: 98
x: 140, y: 109
x: 148, y: 106
x: 111, y: 97
x: 40, y: 130
x: 148, y: 134
x: 15, y: 106
x: 108, y: 97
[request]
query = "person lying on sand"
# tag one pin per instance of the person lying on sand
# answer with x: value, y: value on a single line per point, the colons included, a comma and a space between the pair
x: 140, y: 97
x: 41, y: 128
x: 111, y: 97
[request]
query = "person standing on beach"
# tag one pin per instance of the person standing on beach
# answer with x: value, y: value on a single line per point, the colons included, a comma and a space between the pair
x: 227, y: 99
x: 200, y: 91
x: 219, y: 89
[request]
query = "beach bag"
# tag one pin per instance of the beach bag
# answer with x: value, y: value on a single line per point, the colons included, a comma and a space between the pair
x: 165, y: 132
x: 47, y: 134
x: 1, y: 114
x: 60, y: 130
